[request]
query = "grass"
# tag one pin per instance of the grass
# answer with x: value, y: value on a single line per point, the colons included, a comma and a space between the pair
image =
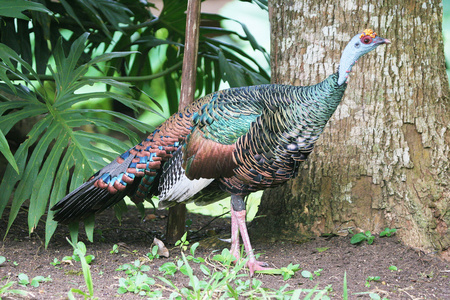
x: 218, y: 277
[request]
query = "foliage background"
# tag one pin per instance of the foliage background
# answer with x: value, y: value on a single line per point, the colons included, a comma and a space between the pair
x: 78, y: 77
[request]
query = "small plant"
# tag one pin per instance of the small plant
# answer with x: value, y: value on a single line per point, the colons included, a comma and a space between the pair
x: 5, y: 291
x: 154, y: 254
x: 115, y: 249
x: 134, y: 268
x: 136, y: 281
x: 362, y: 236
x: 393, y: 268
x: 76, y: 257
x: 192, y: 256
x: 309, y: 275
x: 55, y: 262
x: 24, y: 280
x: 171, y: 268
x: 371, y: 278
x: 182, y: 243
x: 388, y: 232
x: 80, y: 253
x: 2, y: 259
x: 138, y: 284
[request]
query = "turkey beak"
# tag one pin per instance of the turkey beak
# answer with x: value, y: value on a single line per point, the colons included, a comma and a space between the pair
x: 380, y: 40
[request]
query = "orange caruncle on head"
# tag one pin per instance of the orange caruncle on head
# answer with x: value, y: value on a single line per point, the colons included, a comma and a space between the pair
x: 368, y: 32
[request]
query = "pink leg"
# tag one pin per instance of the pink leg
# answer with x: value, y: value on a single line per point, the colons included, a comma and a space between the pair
x: 252, y: 264
x: 234, y: 236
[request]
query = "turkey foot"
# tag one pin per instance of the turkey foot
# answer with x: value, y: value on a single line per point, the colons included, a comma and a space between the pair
x: 238, y: 225
x: 255, y: 265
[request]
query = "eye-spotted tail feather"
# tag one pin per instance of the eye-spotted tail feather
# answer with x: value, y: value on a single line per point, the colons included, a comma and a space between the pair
x: 90, y: 198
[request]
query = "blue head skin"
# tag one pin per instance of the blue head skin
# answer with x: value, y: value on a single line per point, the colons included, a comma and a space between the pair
x: 359, y: 45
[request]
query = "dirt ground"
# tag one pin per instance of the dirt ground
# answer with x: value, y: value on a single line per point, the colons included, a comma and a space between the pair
x: 419, y: 275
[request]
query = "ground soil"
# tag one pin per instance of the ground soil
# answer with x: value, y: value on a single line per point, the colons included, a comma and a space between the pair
x: 420, y: 275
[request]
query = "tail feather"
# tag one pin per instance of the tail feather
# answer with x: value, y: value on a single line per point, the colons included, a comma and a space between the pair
x: 90, y: 198
x: 85, y: 201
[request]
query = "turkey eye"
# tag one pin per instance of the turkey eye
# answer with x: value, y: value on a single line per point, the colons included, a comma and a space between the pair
x: 366, y: 40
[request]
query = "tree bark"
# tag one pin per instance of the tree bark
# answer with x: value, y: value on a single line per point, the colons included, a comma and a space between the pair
x: 177, y: 214
x: 383, y: 160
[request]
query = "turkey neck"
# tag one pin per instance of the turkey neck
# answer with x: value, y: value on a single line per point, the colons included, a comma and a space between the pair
x: 322, y: 99
x: 312, y: 107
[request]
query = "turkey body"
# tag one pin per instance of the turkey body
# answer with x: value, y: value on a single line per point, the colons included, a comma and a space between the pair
x: 241, y: 140
x: 231, y: 142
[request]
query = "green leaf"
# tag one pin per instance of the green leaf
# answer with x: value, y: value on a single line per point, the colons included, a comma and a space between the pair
x: 168, y: 268
x: 358, y: 238
x: 194, y: 247
x: 205, y: 270
x: 23, y: 279
x: 393, y: 268
x: 35, y: 281
x: 307, y: 274
x: 4, y: 149
x: 25, y: 189
x: 72, y: 13
x: 89, y: 224
x: 322, y: 249
x: 345, y: 294
x: 44, y: 180
x: 81, y: 247
x: 115, y: 12
x: 231, y: 72
x: 14, y: 8
x: 11, y: 177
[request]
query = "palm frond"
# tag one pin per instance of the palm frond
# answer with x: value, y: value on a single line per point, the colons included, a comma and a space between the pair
x: 57, y: 142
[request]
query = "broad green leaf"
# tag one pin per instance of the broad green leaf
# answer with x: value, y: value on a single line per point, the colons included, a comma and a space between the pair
x: 115, y: 12
x: 358, y: 238
x: 72, y: 13
x: 89, y: 224
x: 231, y: 72
x: 7, y: 54
x: 14, y: 8
x: 25, y: 187
x: 94, y: 15
x: 11, y: 177
x: 108, y: 56
x: 8, y: 121
x: 42, y: 186
x: 4, y: 149
x: 59, y: 191
x: 119, y: 209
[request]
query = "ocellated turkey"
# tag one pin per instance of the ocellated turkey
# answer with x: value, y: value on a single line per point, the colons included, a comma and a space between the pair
x: 232, y: 142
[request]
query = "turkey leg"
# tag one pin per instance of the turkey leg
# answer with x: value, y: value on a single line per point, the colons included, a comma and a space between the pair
x: 238, y: 224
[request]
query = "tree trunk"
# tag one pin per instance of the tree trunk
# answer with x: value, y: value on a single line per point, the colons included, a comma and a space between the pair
x: 177, y: 214
x: 383, y: 160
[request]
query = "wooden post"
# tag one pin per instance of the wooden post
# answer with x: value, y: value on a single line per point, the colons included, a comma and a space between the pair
x: 177, y: 213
